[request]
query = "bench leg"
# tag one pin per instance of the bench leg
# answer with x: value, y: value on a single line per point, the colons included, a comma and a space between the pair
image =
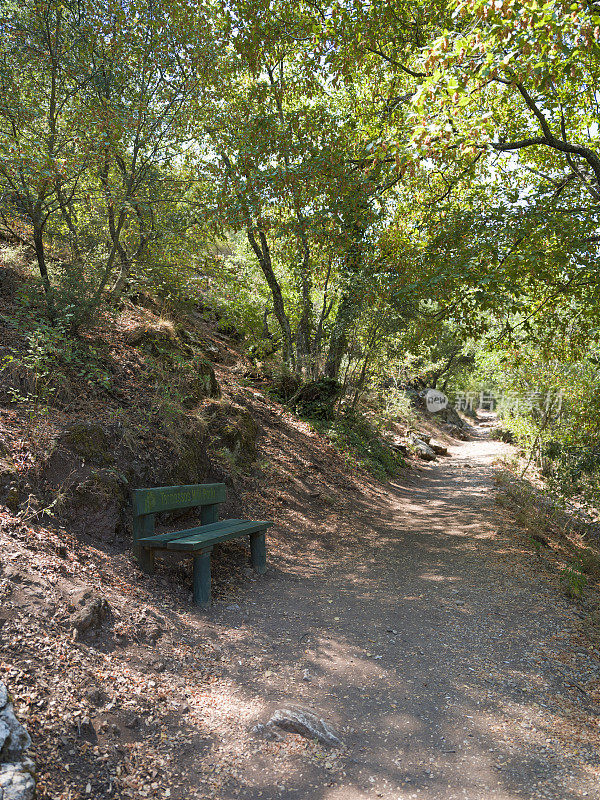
x: 145, y: 559
x: 202, y: 578
x: 258, y: 551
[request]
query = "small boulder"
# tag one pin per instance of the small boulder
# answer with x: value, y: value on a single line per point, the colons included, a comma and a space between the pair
x: 76, y: 451
x: 149, y: 627
x: 17, y: 780
x: 503, y: 435
x: 150, y: 633
x: 317, y: 399
x: 450, y: 415
x: 17, y: 771
x: 155, y: 336
x: 162, y: 340
x: 199, y: 384
x: 212, y: 352
x: 422, y: 449
x: 398, y: 444
x: 95, y: 506
x: 456, y: 431
x: 96, y: 696
x: 8, y: 471
x: 14, y: 739
x: 304, y: 723
x: 92, y: 615
x: 12, y: 499
x: 267, y: 732
x: 89, y: 440
x: 9, y: 477
x: 438, y: 448
x: 132, y: 721
x: 233, y: 429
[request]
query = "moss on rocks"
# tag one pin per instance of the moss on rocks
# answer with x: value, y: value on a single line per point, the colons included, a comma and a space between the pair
x: 104, y: 483
x: 199, y: 383
x: 316, y: 399
x: 152, y: 335
x: 234, y: 429
x: 161, y: 340
x: 13, y: 498
x: 190, y: 462
x: 89, y: 440
x: 10, y: 494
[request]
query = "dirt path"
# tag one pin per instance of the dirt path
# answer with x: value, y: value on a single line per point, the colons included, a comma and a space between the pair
x: 445, y: 662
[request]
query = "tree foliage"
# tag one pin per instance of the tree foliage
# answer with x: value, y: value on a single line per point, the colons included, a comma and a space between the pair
x: 352, y: 184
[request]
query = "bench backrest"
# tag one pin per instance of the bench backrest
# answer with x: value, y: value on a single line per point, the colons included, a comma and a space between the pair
x: 170, y: 498
x: 148, y: 502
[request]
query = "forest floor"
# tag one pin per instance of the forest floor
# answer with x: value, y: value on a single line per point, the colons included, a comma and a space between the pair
x: 414, y: 616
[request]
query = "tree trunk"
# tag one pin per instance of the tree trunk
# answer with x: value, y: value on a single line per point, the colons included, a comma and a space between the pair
x: 38, y: 242
x: 121, y: 282
x: 305, y: 324
x: 263, y: 255
x: 338, y: 342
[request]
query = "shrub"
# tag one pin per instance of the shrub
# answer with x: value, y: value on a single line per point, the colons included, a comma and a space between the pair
x: 316, y: 399
x: 361, y: 443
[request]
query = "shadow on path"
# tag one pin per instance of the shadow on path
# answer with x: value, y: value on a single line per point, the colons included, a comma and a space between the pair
x: 440, y: 662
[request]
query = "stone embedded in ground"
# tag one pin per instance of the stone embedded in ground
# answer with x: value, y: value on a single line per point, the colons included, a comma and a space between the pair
x: 17, y: 781
x: 398, y: 444
x: 17, y: 771
x: 304, y: 723
x: 157, y: 337
x: 451, y: 416
x: 438, y: 448
x: 97, y: 503
x: 149, y: 626
x: 202, y: 383
x: 14, y: 739
x: 89, y: 440
x: 232, y: 429
x: 149, y: 632
x: 91, y: 616
x: 456, y: 431
x: 422, y: 449
x: 267, y: 732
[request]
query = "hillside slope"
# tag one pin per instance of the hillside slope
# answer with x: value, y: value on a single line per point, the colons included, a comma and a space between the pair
x: 101, y: 659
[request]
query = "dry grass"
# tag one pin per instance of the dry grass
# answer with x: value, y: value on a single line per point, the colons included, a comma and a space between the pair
x: 563, y: 550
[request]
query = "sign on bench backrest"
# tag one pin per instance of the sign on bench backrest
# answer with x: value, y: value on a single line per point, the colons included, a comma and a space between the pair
x: 169, y: 498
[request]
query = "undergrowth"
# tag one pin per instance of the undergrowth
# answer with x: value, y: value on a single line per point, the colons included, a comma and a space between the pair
x: 360, y: 443
x: 573, y: 556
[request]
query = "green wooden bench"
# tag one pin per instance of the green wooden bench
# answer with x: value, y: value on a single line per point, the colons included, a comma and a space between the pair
x: 198, y: 542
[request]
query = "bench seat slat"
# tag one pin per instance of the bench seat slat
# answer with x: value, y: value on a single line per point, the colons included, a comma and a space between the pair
x: 164, y: 538
x: 200, y: 537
